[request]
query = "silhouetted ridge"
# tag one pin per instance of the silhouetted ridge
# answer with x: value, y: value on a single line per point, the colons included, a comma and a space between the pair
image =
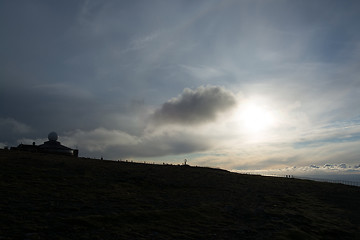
x: 46, y: 196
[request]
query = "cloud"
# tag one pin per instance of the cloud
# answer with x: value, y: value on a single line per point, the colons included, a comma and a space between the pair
x: 118, y: 144
x: 168, y: 142
x: 195, y: 106
x: 328, y: 170
x: 11, y: 125
x: 11, y: 129
x: 100, y: 139
x: 203, y: 72
x: 63, y: 90
x: 141, y: 42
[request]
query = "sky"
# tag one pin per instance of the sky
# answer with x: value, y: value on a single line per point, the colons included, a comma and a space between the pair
x: 236, y: 84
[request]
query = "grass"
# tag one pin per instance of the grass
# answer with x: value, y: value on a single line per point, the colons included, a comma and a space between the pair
x: 57, y: 197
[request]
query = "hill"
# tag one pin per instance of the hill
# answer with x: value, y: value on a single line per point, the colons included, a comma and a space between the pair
x: 57, y: 197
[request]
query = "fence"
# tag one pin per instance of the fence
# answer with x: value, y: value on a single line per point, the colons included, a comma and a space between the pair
x: 345, y: 182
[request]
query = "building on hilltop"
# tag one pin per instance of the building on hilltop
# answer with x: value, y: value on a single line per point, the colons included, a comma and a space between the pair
x: 26, y: 147
x: 51, y: 146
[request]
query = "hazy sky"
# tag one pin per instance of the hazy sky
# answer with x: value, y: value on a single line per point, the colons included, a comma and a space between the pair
x: 240, y: 84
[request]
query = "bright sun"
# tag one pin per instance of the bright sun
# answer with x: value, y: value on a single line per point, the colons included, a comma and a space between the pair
x: 256, y: 118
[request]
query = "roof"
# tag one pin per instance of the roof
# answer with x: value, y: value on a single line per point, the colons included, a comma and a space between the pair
x: 53, y: 145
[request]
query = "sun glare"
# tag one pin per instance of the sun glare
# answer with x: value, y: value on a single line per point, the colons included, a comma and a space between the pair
x: 256, y: 118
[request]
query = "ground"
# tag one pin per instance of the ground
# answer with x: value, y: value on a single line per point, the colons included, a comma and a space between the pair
x: 45, y: 196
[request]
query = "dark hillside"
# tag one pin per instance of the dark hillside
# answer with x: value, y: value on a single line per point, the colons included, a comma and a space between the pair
x: 56, y: 197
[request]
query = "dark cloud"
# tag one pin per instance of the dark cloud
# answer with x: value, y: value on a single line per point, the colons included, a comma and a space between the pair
x: 195, y: 106
x: 11, y: 129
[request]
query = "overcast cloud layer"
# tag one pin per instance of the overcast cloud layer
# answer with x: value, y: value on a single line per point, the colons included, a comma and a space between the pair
x: 166, y: 80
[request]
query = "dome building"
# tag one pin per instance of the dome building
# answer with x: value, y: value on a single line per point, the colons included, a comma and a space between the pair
x: 53, y: 146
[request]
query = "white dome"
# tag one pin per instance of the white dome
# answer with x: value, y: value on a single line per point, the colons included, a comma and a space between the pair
x: 53, y: 136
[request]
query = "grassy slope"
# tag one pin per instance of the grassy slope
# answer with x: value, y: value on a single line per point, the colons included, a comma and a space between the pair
x: 56, y: 197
